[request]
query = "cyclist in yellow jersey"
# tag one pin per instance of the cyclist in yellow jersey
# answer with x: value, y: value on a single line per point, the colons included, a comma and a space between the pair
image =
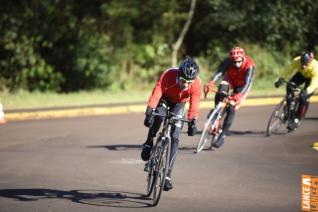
x: 306, y: 68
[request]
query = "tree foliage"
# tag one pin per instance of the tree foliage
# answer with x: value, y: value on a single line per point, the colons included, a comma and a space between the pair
x: 73, y: 45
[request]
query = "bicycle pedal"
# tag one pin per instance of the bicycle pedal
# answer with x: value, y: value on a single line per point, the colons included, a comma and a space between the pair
x: 147, y: 168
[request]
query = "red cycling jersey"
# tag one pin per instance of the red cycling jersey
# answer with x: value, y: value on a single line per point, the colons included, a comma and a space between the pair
x: 239, y: 79
x: 167, y: 87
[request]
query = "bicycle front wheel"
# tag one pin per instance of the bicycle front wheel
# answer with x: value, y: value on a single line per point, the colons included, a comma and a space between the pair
x: 276, y: 119
x: 161, y: 169
x: 206, y: 134
x: 150, y: 178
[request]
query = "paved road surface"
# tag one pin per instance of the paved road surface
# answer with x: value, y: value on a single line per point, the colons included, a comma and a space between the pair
x: 93, y: 164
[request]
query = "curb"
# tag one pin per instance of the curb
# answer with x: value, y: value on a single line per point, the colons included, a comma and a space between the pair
x: 120, y: 109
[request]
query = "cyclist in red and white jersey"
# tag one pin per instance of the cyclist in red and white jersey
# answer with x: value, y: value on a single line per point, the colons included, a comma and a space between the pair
x: 237, y: 72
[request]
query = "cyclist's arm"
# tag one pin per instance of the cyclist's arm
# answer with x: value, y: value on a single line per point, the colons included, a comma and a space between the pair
x: 293, y: 68
x: 221, y: 70
x: 248, y: 79
x: 314, y: 80
x: 195, y: 99
x: 156, y: 93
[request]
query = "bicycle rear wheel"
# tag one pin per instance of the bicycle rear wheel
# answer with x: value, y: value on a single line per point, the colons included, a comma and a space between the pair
x: 276, y: 119
x: 206, y: 134
x: 161, y: 169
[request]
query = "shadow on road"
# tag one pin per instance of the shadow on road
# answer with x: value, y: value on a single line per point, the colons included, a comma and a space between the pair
x: 118, y: 146
x: 116, y: 199
x: 247, y: 132
x: 242, y: 133
x: 311, y: 118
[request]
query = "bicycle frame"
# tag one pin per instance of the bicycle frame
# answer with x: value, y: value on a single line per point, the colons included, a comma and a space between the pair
x: 160, y: 156
x: 218, y: 112
x: 212, y: 125
x: 295, y: 100
x: 282, y: 113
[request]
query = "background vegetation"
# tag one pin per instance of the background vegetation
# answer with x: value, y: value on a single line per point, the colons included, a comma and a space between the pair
x: 66, y: 45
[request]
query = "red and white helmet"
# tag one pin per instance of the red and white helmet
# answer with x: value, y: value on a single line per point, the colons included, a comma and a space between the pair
x: 236, y: 53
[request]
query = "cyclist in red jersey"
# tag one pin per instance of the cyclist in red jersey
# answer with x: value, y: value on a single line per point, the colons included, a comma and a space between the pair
x: 237, y: 71
x: 175, y: 87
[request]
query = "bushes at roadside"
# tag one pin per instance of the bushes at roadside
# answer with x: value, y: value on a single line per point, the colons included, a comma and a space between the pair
x: 66, y: 46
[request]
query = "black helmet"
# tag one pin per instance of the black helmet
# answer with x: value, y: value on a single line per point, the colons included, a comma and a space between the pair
x: 188, y: 69
x: 306, y: 57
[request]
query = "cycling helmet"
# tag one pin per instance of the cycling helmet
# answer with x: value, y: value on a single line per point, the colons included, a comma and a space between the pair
x: 188, y: 69
x: 306, y: 57
x: 236, y: 53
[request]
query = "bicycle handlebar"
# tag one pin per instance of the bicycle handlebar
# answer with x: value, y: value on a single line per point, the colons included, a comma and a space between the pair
x: 227, y: 98
x: 281, y: 81
x: 172, y: 117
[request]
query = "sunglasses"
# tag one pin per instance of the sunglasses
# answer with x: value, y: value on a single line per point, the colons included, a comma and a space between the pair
x: 185, y: 81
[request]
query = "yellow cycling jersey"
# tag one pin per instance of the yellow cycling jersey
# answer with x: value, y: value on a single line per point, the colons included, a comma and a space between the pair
x: 310, y: 72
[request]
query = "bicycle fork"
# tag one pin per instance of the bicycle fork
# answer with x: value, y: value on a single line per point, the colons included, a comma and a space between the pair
x: 155, y: 159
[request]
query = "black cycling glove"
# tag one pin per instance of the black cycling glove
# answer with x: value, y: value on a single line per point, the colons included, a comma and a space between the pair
x: 149, y: 116
x: 192, y: 129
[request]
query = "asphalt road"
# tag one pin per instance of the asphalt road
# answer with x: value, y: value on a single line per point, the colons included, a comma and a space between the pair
x: 93, y: 164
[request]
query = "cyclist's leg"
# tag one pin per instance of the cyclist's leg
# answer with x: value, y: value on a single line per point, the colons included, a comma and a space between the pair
x: 297, y: 79
x: 304, y: 102
x: 147, y: 146
x: 175, y: 133
x: 228, y: 119
x: 161, y: 109
x: 223, y: 90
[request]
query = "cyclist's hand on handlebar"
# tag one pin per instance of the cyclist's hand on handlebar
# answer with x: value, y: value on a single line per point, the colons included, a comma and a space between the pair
x: 149, y: 116
x: 192, y: 129
x: 235, y: 97
x: 279, y: 82
x: 208, y: 88
x: 303, y: 94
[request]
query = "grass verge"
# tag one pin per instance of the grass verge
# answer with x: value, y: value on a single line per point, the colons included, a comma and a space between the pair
x: 31, y: 100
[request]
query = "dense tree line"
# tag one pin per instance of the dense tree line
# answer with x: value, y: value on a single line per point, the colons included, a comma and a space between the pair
x: 68, y: 45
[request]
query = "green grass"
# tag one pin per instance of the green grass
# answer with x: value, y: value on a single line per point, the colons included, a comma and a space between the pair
x: 266, y: 88
x: 28, y: 100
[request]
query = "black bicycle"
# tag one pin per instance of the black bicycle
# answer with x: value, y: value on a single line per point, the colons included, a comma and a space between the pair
x: 158, y: 164
x: 283, y: 115
x: 213, y: 126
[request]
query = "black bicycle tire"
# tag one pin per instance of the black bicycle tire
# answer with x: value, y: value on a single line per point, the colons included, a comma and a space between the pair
x: 151, y: 176
x: 203, y: 138
x: 277, y: 108
x: 150, y: 181
x: 213, y: 140
x: 165, y: 153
